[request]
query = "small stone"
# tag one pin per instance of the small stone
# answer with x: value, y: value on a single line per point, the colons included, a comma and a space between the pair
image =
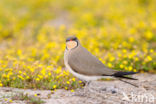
x: 113, y: 92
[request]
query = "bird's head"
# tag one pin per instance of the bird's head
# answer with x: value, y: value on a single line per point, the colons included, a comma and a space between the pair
x: 71, y: 42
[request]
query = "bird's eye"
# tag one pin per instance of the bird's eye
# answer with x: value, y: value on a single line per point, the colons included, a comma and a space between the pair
x: 74, y: 39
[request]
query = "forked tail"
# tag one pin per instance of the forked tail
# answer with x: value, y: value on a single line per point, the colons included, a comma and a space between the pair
x: 122, y: 75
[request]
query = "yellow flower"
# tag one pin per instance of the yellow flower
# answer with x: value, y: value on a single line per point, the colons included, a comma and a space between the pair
x: 4, y: 75
x: 1, y: 84
x: 130, y: 56
x: 24, y: 74
x: 119, y: 55
x: 54, y: 86
x: 27, y: 77
x: 58, y: 71
x: 126, y: 68
x: 125, y: 62
x: 131, y: 39
x: 108, y: 79
x: 20, y: 77
x: 35, y: 95
x: 134, y: 70
x: 109, y: 65
x: 10, y: 101
x: 104, y: 62
x: 121, y: 66
x: 124, y: 51
x: 73, y: 79
x: 149, y: 58
x: 72, y: 90
x: 19, y: 52
x: 66, y: 88
x: 151, y: 50
x: 31, y: 69
x: 40, y: 76
x: 20, y: 72
x: 14, y: 78
x: 136, y: 59
x: 111, y: 59
x: 68, y: 82
x: 37, y: 79
x: 57, y: 77
x: 148, y: 35
x: 80, y: 81
x: 49, y: 74
x: 130, y: 68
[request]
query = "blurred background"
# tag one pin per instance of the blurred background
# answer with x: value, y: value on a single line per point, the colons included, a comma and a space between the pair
x: 121, y: 33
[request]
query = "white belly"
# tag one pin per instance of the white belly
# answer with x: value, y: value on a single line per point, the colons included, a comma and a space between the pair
x: 84, y: 77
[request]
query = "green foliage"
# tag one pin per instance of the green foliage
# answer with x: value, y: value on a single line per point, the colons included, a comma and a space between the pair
x: 28, y: 99
x: 121, y: 33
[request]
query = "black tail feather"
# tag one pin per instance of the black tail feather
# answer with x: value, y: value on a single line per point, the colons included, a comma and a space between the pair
x: 127, y: 77
x: 122, y: 75
x: 118, y: 74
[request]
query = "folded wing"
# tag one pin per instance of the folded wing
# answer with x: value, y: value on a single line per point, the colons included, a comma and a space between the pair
x: 83, y: 62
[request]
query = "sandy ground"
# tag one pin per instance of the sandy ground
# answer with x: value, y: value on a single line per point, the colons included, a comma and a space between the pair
x: 97, y: 92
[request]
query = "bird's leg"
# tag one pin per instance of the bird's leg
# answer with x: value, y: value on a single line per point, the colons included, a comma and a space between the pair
x: 87, y: 83
x: 84, y: 90
x: 83, y: 83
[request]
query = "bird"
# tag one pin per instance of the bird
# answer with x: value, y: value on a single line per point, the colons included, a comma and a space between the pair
x: 87, y: 67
